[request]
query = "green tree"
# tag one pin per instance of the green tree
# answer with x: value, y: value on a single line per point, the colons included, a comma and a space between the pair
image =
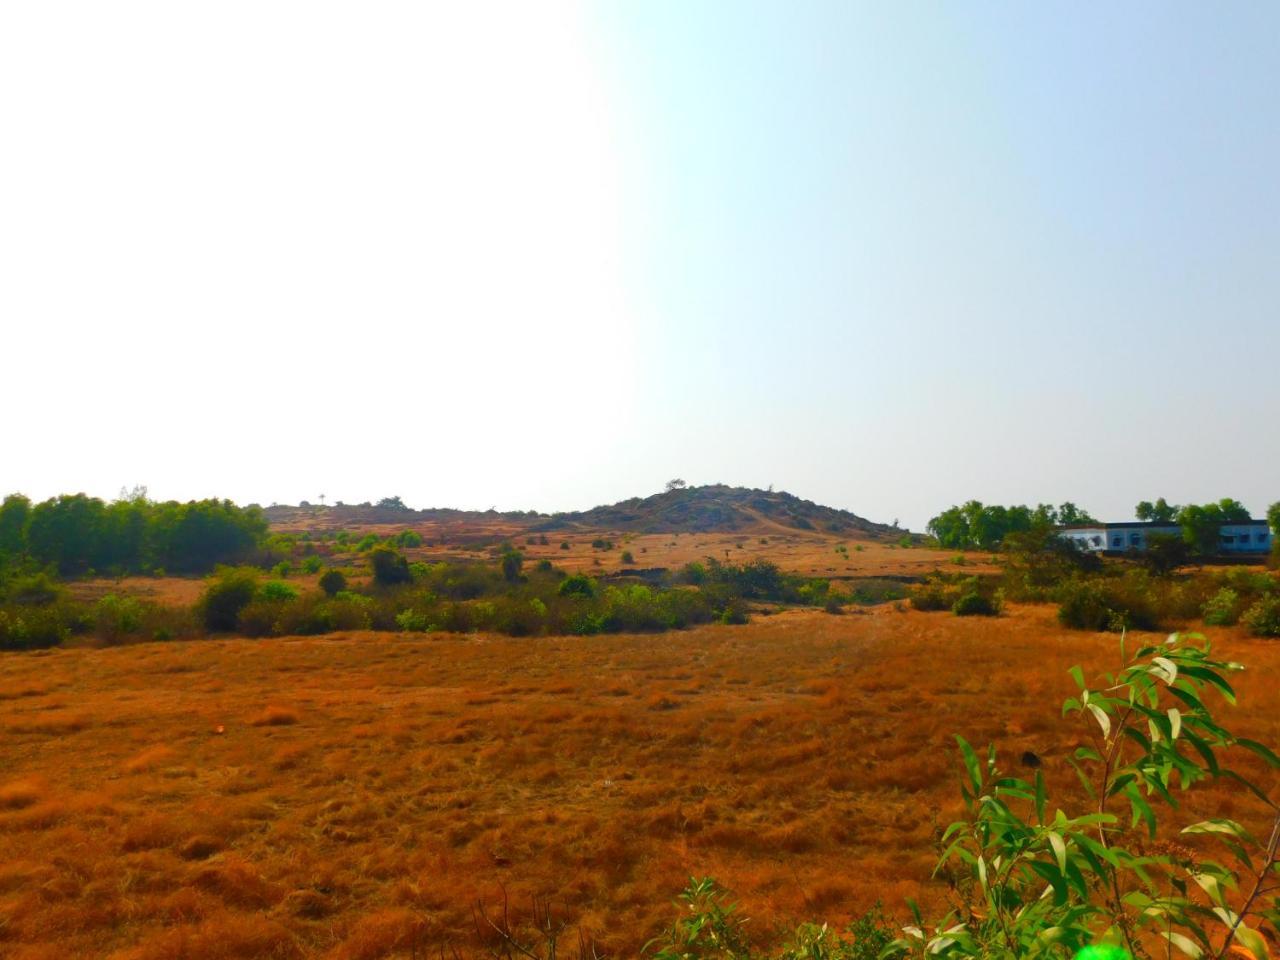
x: 1165, y: 553
x: 512, y: 562
x: 67, y: 531
x: 1200, y: 523
x: 332, y: 581
x: 1159, y: 512
x: 389, y: 566
x: 1070, y: 515
x: 230, y: 592
x: 15, y: 512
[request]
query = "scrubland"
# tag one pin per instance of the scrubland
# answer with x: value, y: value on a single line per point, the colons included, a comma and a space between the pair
x: 355, y: 795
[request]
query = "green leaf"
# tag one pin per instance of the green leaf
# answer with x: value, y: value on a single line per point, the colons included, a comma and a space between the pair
x: 1164, y: 668
x: 1040, y: 797
x: 1255, y: 747
x: 1229, y: 827
x: 1183, y: 943
x: 1141, y: 810
x: 970, y: 762
x: 1253, y: 941
x: 1078, y: 675
x: 1059, y: 849
x: 1104, y: 721
x: 1210, y: 885
x: 1175, y: 723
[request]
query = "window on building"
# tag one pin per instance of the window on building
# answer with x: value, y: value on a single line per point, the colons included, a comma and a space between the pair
x: 1096, y: 541
x: 1135, y: 538
x: 1244, y: 538
x: 1117, y: 541
x: 1227, y: 538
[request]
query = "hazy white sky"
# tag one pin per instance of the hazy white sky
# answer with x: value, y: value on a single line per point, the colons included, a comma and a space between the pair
x: 550, y: 255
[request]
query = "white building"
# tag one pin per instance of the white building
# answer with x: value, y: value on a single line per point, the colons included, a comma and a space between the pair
x: 1247, y: 536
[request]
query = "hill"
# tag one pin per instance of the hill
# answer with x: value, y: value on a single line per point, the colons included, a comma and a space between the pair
x: 715, y: 507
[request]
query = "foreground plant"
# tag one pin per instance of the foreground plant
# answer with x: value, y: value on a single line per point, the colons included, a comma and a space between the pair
x: 1032, y: 881
x: 1035, y: 882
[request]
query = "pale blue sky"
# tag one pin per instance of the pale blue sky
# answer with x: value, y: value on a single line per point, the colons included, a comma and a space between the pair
x: 887, y: 257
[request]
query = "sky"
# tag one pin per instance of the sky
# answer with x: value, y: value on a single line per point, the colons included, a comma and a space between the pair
x: 888, y: 257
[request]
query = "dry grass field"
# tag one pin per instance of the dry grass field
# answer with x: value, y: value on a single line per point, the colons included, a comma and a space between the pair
x: 339, y: 797
x: 808, y: 553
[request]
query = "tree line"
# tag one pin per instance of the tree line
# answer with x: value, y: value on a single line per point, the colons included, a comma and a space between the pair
x: 76, y: 534
x: 979, y: 526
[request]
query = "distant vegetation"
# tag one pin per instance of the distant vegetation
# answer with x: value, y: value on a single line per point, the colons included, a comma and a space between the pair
x: 76, y: 534
x: 503, y: 596
x: 980, y: 526
x: 1148, y: 591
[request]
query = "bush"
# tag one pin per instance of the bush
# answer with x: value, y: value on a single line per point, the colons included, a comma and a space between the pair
x: 413, y: 621
x: 512, y: 561
x: 933, y: 594
x: 578, y: 585
x: 259, y: 618
x: 564, y: 544
x: 627, y: 557
x: 971, y: 603
x: 115, y: 618
x: 389, y: 567
x: 282, y: 569
x: 408, y: 538
x: 1263, y: 618
x: 1223, y: 608
x: 227, y: 594
x: 277, y: 591
x: 37, y: 590
x: 333, y: 581
x: 311, y: 564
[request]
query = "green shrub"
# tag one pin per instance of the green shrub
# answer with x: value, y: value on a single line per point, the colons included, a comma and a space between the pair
x: 564, y: 544
x: 1263, y: 618
x: 1082, y: 605
x: 115, y: 618
x: 33, y: 628
x: 413, y: 621
x: 260, y: 618
x: 333, y: 581
x: 1223, y: 608
x: 577, y: 585
x: 282, y: 569
x: 1035, y: 881
x: 711, y: 928
x: 312, y: 615
x: 389, y: 567
x: 277, y: 591
x: 229, y: 592
x: 408, y: 538
x: 971, y: 603
x: 311, y: 564
x: 511, y: 562
x: 933, y: 594
x: 627, y: 557
x: 36, y: 590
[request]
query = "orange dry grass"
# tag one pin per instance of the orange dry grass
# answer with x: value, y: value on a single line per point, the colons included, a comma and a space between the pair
x: 805, y: 760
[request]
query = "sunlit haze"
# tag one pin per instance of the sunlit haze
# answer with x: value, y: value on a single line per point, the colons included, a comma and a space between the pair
x: 546, y: 256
